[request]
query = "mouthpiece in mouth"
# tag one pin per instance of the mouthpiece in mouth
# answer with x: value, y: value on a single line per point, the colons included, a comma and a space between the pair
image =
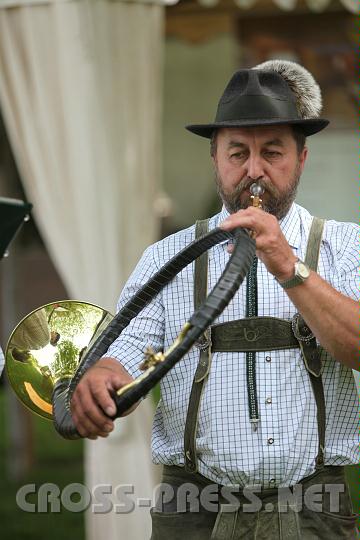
x: 256, y: 190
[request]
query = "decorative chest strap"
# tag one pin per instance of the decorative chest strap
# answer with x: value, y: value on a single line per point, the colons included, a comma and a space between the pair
x: 253, y: 334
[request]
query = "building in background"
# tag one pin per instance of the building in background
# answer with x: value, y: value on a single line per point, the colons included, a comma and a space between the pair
x: 207, y: 40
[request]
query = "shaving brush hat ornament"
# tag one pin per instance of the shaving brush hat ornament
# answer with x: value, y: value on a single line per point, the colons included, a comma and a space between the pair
x: 272, y: 93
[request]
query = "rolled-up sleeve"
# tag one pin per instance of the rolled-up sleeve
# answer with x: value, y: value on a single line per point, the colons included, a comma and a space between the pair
x: 147, y: 328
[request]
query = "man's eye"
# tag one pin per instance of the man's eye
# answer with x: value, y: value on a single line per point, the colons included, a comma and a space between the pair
x: 238, y: 155
x: 272, y: 154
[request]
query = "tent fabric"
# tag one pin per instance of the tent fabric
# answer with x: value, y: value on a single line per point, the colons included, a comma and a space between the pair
x: 80, y: 93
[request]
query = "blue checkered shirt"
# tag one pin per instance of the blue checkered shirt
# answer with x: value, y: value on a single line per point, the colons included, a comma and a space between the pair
x: 229, y: 451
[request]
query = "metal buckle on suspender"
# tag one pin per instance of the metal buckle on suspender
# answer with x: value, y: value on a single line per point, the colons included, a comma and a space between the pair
x: 204, y: 341
x: 300, y: 329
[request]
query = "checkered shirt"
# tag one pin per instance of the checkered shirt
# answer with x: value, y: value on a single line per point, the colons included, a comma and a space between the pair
x: 283, y: 449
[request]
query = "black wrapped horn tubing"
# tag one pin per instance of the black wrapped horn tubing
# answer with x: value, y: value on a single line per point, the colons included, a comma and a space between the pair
x: 224, y: 290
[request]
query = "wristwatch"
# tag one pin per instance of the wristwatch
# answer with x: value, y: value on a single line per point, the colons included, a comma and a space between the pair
x: 301, y: 273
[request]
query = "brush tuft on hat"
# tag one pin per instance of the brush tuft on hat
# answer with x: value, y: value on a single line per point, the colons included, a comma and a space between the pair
x: 306, y: 90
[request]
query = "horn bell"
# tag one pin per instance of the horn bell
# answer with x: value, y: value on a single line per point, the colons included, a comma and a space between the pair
x: 48, y: 345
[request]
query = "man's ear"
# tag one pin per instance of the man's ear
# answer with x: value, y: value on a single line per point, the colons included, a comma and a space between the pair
x: 302, y: 158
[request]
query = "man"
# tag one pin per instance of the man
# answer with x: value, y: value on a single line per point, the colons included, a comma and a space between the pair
x: 258, y: 415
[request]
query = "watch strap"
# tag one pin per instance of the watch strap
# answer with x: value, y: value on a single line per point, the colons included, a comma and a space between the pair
x: 297, y: 279
x: 292, y: 282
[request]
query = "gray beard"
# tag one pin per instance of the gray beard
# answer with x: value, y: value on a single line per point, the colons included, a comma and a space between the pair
x: 278, y: 204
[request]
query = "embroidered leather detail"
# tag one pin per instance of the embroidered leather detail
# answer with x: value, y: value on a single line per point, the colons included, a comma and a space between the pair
x: 253, y: 334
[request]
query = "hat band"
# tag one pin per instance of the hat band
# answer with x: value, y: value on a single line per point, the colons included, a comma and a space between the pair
x: 256, y: 108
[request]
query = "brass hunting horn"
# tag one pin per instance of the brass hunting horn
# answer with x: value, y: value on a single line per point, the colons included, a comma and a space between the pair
x: 51, y: 348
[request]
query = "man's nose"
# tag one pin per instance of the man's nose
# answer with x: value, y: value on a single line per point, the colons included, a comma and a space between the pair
x: 255, y: 167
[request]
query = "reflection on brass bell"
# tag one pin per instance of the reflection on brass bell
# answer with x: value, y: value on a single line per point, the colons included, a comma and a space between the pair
x: 47, y: 345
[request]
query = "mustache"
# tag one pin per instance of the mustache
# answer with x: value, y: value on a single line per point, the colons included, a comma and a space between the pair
x: 245, y: 184
x: 277, y: 202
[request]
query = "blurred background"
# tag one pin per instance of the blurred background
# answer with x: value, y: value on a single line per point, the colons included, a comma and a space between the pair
x: 94, y: 96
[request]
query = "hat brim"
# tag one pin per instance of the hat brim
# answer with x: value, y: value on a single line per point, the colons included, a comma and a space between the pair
x: 309, y: 127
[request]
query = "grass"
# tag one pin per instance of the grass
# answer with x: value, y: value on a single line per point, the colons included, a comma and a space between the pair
x: 56, y: 461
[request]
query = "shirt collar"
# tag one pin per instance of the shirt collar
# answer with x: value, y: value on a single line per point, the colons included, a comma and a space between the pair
x: 289, y: 224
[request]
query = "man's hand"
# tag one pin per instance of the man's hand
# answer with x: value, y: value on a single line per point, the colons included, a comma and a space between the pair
x: 333, y: 317
x: 272, y: 247
x: 91, y: 401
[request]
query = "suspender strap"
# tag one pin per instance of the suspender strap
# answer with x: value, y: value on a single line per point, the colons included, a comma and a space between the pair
x: 314, y: 243
x: 203, y: 368
x: 310, y: 351
x: 254, y: 334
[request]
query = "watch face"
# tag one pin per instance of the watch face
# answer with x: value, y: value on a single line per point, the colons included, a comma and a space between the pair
x: 302, y: 270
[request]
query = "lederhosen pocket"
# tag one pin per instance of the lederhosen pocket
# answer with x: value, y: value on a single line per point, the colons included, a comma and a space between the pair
x: 334, y: 519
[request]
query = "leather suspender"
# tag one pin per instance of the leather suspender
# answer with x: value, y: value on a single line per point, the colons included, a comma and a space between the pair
x: 254, y: 333
x: 203, y: 367
x: 309, y: 349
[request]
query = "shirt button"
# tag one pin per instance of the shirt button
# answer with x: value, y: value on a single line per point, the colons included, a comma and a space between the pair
x: 268, y: 358
x: 268, y: 400
x: 270, y: 441
x: 272, y: 481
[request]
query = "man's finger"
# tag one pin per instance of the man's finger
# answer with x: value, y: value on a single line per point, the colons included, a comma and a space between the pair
x: 101, y: 393
x: 93, y: 411
x: 234, y: 221
x: 87, y: 428
x: 83, y: 428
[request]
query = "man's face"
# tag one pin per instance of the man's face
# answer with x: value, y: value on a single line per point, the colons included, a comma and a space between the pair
x: 266, y: 155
